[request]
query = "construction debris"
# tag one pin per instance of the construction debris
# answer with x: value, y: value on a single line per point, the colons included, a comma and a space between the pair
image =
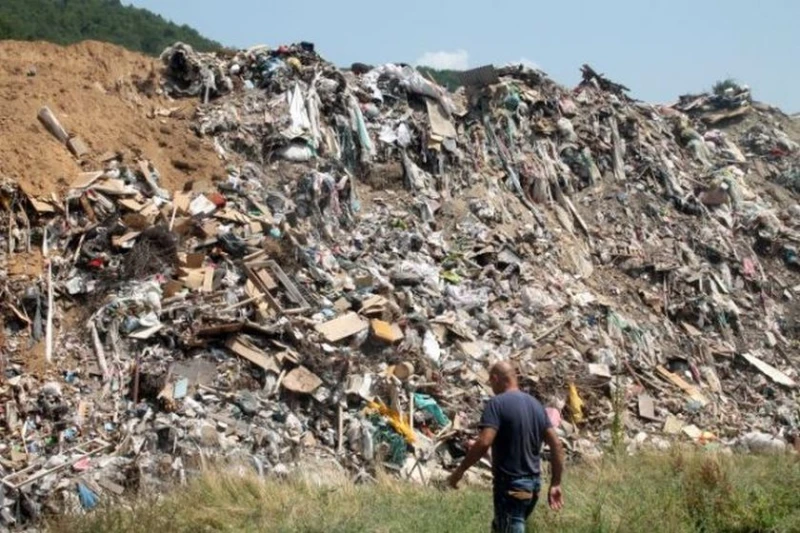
x: 377, y: 244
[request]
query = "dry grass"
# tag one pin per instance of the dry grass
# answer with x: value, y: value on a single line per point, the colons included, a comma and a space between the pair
x: 667, y: 493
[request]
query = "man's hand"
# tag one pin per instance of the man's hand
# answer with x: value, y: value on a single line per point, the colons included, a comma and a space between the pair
x: 455, y: 478
x: 476, y: 450
x: 555, y: 498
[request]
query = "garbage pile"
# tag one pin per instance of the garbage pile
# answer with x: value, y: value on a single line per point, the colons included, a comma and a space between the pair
x: 377, y: 243
x: 728, y: 101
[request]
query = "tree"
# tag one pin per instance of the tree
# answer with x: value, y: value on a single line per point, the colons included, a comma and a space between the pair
x: 70, y: 21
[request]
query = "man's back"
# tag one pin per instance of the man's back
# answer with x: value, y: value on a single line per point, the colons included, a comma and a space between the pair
x: 521, y: 422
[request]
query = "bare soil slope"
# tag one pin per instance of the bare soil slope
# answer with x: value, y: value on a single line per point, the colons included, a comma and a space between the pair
x: 104, y: 94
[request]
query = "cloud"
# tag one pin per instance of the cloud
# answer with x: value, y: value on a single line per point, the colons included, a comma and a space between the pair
x: 525, y: 62
x: 443, y: 60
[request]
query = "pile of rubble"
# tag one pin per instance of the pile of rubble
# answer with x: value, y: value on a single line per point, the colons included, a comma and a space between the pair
x: 377, y: 243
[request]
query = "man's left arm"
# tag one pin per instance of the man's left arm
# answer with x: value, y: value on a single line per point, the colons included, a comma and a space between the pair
x: 476, y: 451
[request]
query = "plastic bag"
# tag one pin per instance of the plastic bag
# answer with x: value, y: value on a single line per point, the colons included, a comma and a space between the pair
x: 429, y: 405
x: 575, y: 404
x: 430, y: 346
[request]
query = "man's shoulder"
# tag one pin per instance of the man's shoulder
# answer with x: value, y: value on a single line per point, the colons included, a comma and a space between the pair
x: 515, y: 397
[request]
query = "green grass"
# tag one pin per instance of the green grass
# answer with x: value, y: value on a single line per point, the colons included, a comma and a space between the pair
x: 667, y: 493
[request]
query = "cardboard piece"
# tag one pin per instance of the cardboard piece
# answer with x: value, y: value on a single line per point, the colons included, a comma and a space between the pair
x: 195, y: 260
x: 600, y: 370
x: 647, y: 408
x: 692, y: 431
x: 41, y: 207
x: 85, y: 179
x: 340, y: 328
x: 440, y: 125
x: 114, y: 188
x: 182, y: 201
x: 194, y: 278
x: 171, y: 288
x: 386, y: 332
x: 673, y: 425
x: 342, y: 305
x: 232, y: 215
x: 360, y: 385
x: 201, y: 206
x: 373, y: 304
x: 301, y: 380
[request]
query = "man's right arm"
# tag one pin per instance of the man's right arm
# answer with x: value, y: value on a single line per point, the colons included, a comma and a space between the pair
x: 555, y: 497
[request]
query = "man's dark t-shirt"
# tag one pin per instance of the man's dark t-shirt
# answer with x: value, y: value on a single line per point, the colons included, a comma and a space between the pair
x: 520, y: 421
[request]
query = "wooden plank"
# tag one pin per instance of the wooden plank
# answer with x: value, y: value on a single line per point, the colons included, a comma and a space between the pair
x: 290, y: 287
x: 33, y: 473
x: 256, y: 281
x: 340, y: 328
x: 692, y: 391
x: 219, y: 329
x: 208, y: 280
x: 244, y: 349
x: 119, y: 241
x: 269, y: 283
x: 770, y: 371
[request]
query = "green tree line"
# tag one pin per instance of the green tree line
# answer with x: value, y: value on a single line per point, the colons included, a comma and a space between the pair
x: 446, y: 78
x: 70, y: 21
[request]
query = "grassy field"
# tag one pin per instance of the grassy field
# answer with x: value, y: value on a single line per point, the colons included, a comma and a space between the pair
x: 668, y: 493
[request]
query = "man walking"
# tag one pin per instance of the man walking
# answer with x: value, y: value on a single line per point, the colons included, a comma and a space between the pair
x: 514, y: 425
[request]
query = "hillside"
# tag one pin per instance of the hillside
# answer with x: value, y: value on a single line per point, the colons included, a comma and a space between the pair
x: 72, y: 21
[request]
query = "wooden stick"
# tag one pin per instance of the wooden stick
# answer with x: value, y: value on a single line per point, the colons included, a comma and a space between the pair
x: 411, y: 410
x: 78, y: 250
x: 136, y: 379
x: 174, y: 212
x: 10, y: 232
x: 242, y: 303
x: 340, y: 446
x: 280, y: 380
x: 551, y: 330
x: 98, y: 348
x: 49, y: 330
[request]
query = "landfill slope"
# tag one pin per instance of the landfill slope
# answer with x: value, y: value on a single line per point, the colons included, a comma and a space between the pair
x: 99, y: 91
x: 335, y: 297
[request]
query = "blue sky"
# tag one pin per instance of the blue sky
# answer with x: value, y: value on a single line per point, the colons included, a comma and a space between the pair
x: 660, y: 49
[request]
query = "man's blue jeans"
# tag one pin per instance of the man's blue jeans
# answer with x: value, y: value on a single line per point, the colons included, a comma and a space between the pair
x: 514, y: 501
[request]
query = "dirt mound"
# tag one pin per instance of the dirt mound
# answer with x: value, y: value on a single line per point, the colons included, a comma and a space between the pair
x: 106, y: 95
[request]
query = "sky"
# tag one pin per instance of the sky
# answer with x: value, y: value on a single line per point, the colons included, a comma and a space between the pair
x: 659, y: 49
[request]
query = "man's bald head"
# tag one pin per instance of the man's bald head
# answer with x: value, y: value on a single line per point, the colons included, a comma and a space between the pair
x: 502, y: 377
